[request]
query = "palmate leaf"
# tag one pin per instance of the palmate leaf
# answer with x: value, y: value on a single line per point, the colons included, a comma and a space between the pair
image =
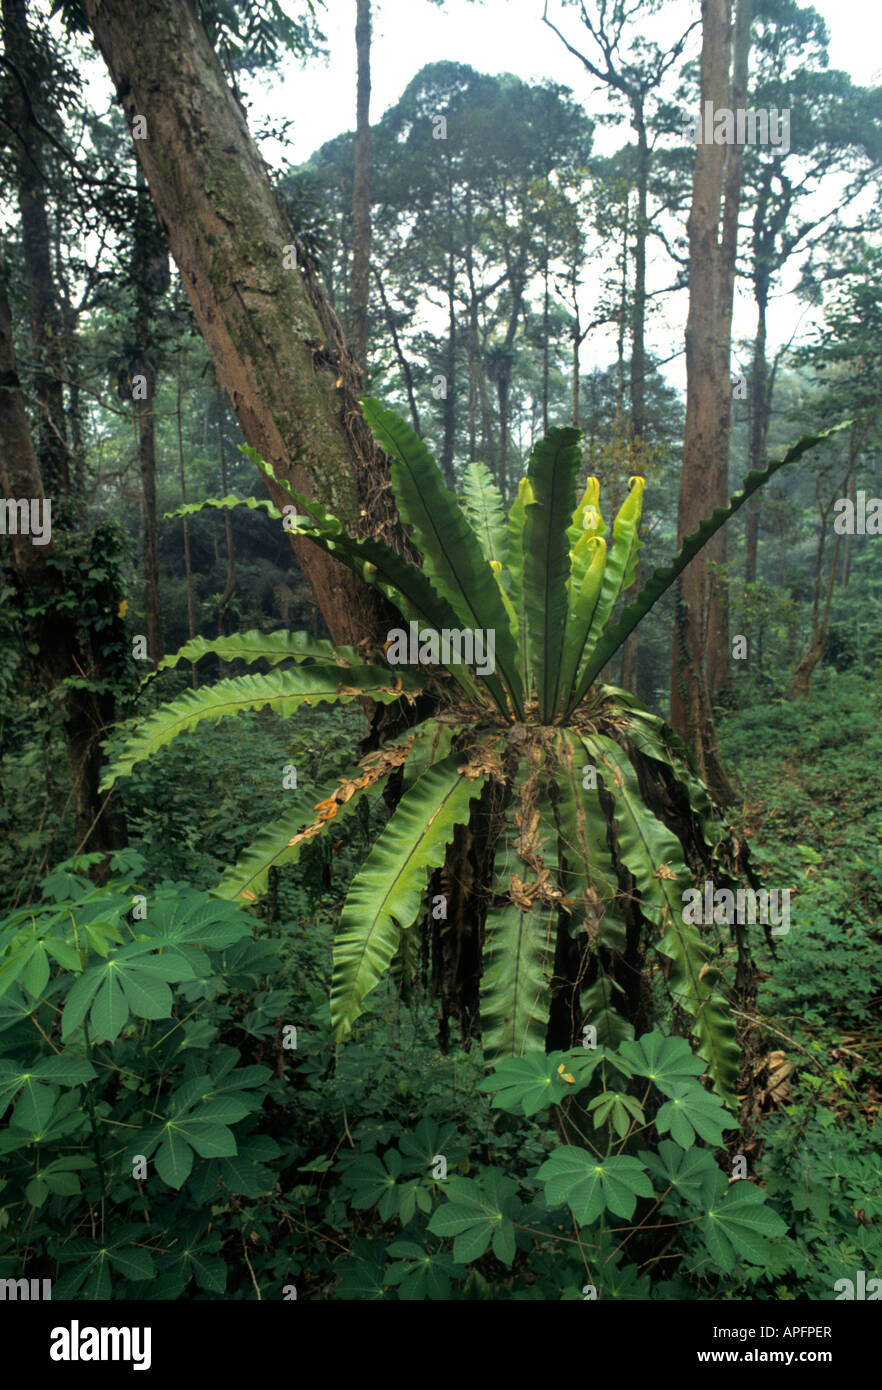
x: 386, y: 893
x: 519, y: 942
x: 482, y: 501
x: 554, y: 464
x: 685, y: 1171
x: 692, y: 1110
x: 739, y: 1224
x: 314, y: 811
x: 653, y: 854
x: 133, y: 979
x: 282, y: 691
x: 526, y: 1085
x: 63, y: 1069
x: 590, y: 1185
x: 478, y: 1214
x: 452, y: 556
x: 662, y: 579
x: 667, y: 1062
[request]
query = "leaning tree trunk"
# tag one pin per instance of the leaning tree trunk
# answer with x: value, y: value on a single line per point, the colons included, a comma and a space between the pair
x: 275, y: 343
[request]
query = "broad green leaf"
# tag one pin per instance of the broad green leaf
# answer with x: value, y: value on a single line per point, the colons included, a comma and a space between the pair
x: 312, y: 812
x: 482, y: 501
x: 386, y: 893
x: 554, y: 464
x: 589, y: 875
x: 618, y: 575
x: 662, y: 579
x: 583, y: 599
x: 281, y: 691
x: 254, y: 504
x: 519, y: 943
x: 271, y: 647
x: 174, y: 1160
x: 513, y: 570
x: 654, y: 855
x: 452, y: 556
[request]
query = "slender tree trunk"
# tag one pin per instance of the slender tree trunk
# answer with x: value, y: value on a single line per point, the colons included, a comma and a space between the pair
x: 150, y: 271
x: 718, y: 663
x: 638, y: 304
x: 361, y: 192
x: 275, y: 343
x: 401, y: 356
x: 449, y: 399
x: 188, y: 566
x: 759, y: 424
x: 229, y: 584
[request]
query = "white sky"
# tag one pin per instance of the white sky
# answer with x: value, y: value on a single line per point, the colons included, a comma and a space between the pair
x: 499, y: 36
x: 496, y: 36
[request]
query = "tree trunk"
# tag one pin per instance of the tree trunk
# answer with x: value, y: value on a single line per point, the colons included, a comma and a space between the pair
x: 57, y: 647
x: 638, y: 305
x: 276, y: 345
x: 718, y: 665
x: 703, y: 481
x: 188, y: 567
x: 23, y: 69
x: 449, y: 399
x: 759, y: 424
x: 361, y: 190
x: 230, y: 581
x: 150, y: 272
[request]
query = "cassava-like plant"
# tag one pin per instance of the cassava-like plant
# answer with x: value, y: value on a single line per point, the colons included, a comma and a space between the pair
x: 547, y: 824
